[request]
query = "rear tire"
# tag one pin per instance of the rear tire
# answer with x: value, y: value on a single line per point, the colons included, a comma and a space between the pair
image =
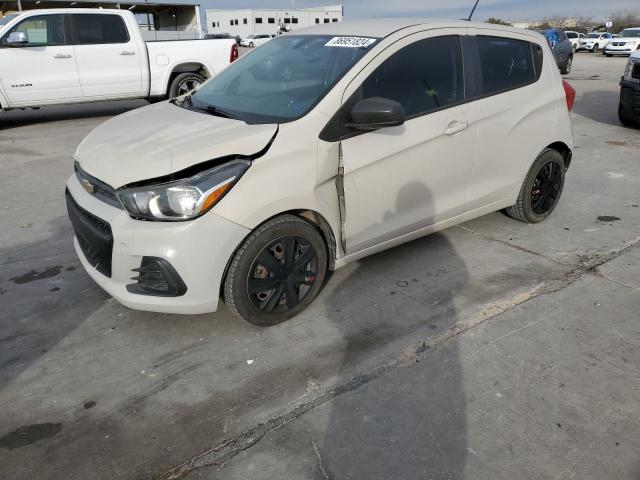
x: 277, y: 272
x: 184, y: 83
x: 541, y: 190
x: 566, y: 69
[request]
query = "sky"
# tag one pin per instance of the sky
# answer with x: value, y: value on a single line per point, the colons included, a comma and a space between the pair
x: 513, y: 10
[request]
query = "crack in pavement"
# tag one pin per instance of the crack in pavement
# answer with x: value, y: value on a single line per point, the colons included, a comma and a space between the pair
x: 414, y: 353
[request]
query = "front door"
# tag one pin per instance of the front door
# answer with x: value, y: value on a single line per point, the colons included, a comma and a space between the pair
x: 43, y: 70
x: 402, y: 179
x: 109, y: 60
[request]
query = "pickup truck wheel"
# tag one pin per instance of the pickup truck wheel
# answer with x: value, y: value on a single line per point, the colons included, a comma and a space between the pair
x: 184, y: 83
x: 277, y: 272
x: 541, y: 190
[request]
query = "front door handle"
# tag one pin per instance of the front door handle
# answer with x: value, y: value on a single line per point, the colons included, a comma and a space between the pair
x: 456, y: 127
x: 62, y: 55
x: 127, y: 52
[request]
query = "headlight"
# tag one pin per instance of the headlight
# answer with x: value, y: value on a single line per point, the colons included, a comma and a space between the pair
x: 629, y: 70
x: 183, y: 199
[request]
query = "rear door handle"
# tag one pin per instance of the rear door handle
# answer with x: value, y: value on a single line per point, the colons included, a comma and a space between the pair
x: 127, y: 52
x: 456, y: 127
x: 62, y: 55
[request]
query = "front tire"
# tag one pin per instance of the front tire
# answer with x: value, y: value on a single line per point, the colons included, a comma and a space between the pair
x: 596, y: 47
x: 541, y: 190
x: 277, y: 272
x: 185, y: 83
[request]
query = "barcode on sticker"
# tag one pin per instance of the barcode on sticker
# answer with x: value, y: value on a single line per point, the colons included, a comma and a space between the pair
x: 350, y: 42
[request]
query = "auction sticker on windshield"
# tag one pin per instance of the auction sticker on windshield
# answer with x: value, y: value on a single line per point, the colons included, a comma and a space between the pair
x: 350, y: 42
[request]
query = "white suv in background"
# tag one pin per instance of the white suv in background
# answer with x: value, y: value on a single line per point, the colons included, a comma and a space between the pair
x: 574, y: 38
x: 594, y: 41
x: 627, y: 42
x: 322, y: 147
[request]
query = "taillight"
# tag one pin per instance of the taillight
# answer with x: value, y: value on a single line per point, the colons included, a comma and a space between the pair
x: 570, y: 93
x: 234, y: 53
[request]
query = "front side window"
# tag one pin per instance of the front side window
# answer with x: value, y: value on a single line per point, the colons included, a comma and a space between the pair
x: 572, y: 35
x: 422, y: 77
x: 506, y: 63
x: 41, y: 30
x: 278, y: 82
x: 95, y: 29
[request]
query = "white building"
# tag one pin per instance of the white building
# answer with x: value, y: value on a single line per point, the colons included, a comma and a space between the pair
x: 269, y: 21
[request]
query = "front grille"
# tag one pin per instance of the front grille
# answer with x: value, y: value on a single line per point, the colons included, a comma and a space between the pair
x: 97, y: 188
x: 93, y: 234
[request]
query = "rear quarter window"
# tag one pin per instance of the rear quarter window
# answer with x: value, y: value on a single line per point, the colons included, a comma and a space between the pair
x: 506, y: 64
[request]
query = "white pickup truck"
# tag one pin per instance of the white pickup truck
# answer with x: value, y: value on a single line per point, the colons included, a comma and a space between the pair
x: 62, y: 56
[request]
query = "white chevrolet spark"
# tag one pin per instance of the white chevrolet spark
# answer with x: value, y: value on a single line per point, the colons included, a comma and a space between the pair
x: 315, y: 150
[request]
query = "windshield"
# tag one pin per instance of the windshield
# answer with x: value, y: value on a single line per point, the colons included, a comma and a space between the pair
x: 593, y: 35
x: 282, y: 80
x: 7, y: 19
x: 630, y: 33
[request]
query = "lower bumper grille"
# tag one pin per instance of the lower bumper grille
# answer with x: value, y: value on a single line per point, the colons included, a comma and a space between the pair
x: 93, y: 234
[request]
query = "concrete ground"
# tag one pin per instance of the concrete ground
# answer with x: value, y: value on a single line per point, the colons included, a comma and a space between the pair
x: 491, y: 350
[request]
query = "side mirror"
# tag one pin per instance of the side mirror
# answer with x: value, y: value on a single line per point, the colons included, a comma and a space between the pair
x: 375, y: 113
x: 17, y: 39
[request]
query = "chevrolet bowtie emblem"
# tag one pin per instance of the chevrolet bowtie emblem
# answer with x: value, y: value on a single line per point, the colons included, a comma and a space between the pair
x: 87, y: 185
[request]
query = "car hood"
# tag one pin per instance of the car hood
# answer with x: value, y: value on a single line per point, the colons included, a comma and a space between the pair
x: 162, y: 139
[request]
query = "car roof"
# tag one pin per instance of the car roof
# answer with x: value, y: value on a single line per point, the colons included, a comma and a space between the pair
x: 383, y: 27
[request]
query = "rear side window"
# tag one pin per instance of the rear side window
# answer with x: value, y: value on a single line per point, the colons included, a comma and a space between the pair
x: 572, y: 35
x: 422, y: 77
x: 41, y: 30
x: 506, y: 64
x: 92, y: 29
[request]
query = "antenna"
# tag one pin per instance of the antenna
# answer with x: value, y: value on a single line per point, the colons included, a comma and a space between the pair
x: 473, y: 10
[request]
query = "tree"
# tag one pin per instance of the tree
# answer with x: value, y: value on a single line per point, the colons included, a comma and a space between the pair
x: 498, y: 21
x: 624, y: 19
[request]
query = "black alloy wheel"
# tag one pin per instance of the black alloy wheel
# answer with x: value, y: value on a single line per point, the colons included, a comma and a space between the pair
x: 277, y: 272
x: 546, y: 188
x: 541, y: 190
x: 282, y: 275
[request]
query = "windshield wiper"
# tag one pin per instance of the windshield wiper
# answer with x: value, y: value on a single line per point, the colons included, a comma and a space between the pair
x: 216, y: 111
x: 187, y: 102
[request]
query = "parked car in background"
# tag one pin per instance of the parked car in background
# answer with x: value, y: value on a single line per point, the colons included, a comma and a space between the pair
x: 627, y: 42
x: 561, y: 47
x: 594, y: 41
x: 62, y: 56
x: 574, y: 38
x: 255, y: 40
x: 253, y: 188
x: 629, y: 109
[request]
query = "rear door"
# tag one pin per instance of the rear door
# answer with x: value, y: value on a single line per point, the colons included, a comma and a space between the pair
x: 401, y: 179
x: 515, y: 111
x: 109, y: 59
x: 44, y: 70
